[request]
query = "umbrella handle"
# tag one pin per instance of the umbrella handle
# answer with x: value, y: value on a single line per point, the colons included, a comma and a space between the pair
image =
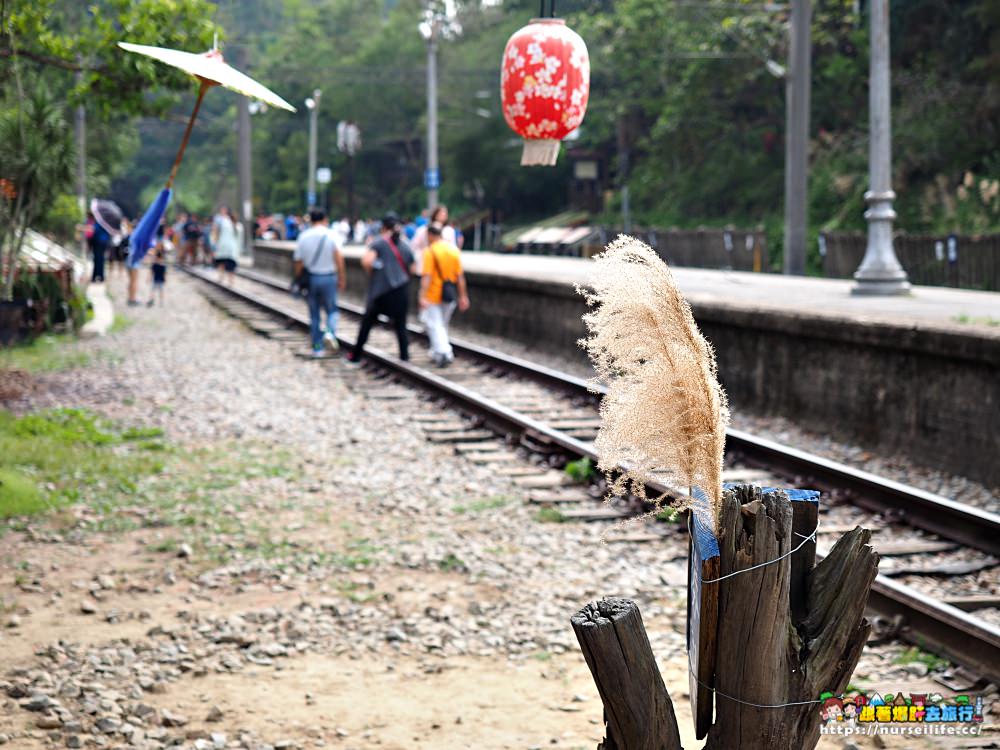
x: 205, y: 85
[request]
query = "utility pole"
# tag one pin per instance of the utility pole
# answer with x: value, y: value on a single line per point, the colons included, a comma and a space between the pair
x: 797, y: 86
x: 312, y: 105
x: 244, y: 166
x: 880, y: 271
x: 432, y: 178
x: 623, y: 167
x: 81, y: 159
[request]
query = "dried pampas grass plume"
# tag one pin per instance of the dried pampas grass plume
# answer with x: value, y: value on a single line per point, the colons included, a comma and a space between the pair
x: 664, y: 412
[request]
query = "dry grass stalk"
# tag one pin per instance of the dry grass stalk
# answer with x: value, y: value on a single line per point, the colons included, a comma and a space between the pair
x: 665, y: 411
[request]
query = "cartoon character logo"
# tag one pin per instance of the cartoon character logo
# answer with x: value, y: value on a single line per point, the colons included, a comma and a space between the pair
x: 833, y: 710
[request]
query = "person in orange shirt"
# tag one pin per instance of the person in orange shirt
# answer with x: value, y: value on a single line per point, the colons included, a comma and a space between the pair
x: 442, y: 287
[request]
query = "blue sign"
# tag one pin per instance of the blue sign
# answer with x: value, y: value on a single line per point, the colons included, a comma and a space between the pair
x: 432, y: 179
x: 311, y: 198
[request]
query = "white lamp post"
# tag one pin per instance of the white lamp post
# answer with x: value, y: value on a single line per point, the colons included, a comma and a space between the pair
x: 880, y: 271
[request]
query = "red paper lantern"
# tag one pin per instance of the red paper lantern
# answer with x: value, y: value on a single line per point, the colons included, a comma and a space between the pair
x: 544, y: 86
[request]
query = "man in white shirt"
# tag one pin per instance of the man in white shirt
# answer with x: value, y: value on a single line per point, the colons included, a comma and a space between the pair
x: 318, y: 251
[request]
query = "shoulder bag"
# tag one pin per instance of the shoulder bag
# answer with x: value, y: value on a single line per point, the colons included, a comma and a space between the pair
x: 449, y: 289
x: 300, y: 284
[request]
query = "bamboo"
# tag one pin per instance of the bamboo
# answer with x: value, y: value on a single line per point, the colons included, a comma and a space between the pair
x: 205, y: 86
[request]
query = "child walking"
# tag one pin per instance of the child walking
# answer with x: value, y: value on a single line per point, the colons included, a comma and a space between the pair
x: 158, y: 274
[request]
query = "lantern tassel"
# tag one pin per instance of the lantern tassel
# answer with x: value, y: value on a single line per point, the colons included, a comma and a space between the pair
x: 540, y: 153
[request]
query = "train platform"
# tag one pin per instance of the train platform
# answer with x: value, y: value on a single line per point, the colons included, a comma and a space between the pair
x: 968, y: 310
x: 913, y: 375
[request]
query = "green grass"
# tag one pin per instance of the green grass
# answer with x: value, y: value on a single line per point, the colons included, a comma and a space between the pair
x: 488, y: 503
x: 669, y: 515
x: 549, y: 515
x: 987, y: 321
x: 451, y: 563
x: 581, y: 470
x: 120, y: 323
x: 55, y: 458
x: 45, y: 354
x: 917, y: 654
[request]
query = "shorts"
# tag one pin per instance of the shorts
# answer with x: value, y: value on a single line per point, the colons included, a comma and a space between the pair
x: 228, y: 263
x: 132, y: 265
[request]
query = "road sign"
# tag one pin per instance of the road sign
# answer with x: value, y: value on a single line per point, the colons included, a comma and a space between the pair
x: 324, y: 175
x: 432, y: 179
x: 311, y: 198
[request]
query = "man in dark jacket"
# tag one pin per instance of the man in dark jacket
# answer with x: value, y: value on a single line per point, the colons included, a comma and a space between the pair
x: 388, y: 261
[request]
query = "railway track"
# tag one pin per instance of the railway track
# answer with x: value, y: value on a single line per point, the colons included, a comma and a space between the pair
x: 527, y: 421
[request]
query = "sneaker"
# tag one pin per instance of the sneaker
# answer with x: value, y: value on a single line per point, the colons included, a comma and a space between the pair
x: 352, y: 360
x: 318, y: 354
x: 149, y: 304
x: 331, y: 341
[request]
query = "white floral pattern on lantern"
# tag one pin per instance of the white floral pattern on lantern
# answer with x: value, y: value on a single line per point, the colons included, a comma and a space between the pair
x: 545, y: 81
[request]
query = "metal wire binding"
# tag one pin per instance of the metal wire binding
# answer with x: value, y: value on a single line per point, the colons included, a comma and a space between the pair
x: 748, y: 703
x: 805, y: 538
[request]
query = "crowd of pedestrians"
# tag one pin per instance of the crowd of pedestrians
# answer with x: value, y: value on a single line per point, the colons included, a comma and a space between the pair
x: 423, y: 253
x: 391, y: 262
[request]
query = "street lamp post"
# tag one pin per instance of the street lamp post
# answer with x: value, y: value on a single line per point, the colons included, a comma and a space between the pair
x: 435, y: 25
x: 880, y: 271
x: 244, y: 165
x: 312, y: 104
x: 432, y: 179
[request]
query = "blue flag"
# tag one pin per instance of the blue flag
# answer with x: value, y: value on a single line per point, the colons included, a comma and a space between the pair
x: 144, y: 234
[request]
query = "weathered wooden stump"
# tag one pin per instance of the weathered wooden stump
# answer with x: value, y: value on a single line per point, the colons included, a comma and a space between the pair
x: 637, y: 708
x: 787, y: 631
x: 767, y: 655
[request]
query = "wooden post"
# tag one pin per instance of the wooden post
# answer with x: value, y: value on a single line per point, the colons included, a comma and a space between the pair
x: 787, y: 632
x: 637, y: 708
x: 767, y: 656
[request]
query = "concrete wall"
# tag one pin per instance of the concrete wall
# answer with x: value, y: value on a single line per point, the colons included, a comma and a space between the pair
x: 931, y: 395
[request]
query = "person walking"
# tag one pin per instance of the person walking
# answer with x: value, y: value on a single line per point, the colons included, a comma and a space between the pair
x: 98, y: 239
x: 389, y: 263
x: 421, y: 239
x: 225, y: 245
x: 158, y: 273
x: 191, y: 234
x: 442, y: 287
x: 318, y: 251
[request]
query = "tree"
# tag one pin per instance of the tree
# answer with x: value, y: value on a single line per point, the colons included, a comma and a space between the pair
x: 36, y: 159
x: 72, y: 36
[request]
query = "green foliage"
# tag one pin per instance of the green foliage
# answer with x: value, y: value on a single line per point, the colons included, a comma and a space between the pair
x: 581, y: 470
x: 36, y: 156
x: 549, y: 515
x: 67, y: 36
x: 689, y: 81
x: 47, y: 353
x: 52, y: 301
x: 488, y: 503
x: 916, y: 655
x: 450, y: 563
x: 708, y: 118
x: 54, y: 458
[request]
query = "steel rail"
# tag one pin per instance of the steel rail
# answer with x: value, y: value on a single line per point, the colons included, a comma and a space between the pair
x: 962, y: 523
x: 939, y: 627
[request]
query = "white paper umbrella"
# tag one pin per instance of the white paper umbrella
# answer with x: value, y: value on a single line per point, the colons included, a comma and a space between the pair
x: 211, y: 70
x: 210, y: 66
